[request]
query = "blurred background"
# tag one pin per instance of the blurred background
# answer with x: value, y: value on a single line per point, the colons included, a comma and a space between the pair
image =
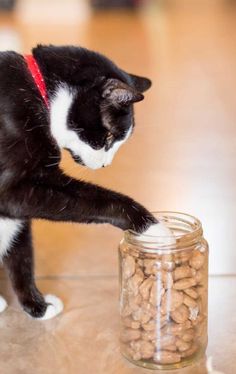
x: 182, y: 155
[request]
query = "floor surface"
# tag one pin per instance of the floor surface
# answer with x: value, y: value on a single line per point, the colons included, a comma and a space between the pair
x: 85, y: 337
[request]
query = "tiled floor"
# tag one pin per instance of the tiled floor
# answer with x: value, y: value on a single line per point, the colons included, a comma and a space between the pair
x: 181, y: 157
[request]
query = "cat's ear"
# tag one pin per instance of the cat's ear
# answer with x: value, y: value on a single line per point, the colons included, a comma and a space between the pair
x: 140, y: 83
x: 119, y: 93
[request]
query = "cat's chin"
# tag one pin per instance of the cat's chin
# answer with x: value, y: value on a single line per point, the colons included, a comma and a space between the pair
x: 79, y: 161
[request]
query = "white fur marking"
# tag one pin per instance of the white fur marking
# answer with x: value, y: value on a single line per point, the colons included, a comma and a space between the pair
x: 69, y: 139
x: 9, y: 228
x: 55, y: 307
x: 158, y: 233
x: 60, y: 106
x: 3, y: 304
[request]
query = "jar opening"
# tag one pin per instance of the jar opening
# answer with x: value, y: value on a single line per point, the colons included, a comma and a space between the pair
x: 187, y: 230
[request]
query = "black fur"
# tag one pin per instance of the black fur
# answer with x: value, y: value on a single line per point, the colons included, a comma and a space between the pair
x: 31, y: 182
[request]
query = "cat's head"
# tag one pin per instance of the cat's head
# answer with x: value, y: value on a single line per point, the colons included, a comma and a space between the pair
x: 92, y: 122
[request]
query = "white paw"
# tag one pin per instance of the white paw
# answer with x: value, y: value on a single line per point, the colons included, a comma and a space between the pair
x: 54, y: 308
x: 158, y: 233
x: 3, y: 304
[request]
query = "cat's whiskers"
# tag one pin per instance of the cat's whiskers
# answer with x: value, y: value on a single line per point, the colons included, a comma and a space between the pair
x: 53, y: 164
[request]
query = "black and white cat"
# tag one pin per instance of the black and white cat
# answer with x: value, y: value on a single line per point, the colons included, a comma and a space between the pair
x: 90, y: 114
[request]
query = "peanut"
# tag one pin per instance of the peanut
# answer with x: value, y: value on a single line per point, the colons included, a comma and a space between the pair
x: 181, y: 314
x: 145, y: 287
x: 156, y: 293
x: 171, y: 348
x: 189, y: 352
x: 135, y: 301
x: 171, y: 301
x: 128, y: 267
x: 185, y: 283
x: 166, y: 357
x: 131, y: 353
x: 151, y: 266
x: 126, y: 311
x: 151, y: 325
x: 182, y: 346
x: 128, y: 322
x: 165, y: 341
x: 177, y: 328
x: 168, y: 265
x: 134, y: 283
x: 197, y: 320
x: 167, y: 262
x: 199, y: 276
x: 185, y: 256
x: 149, y: 335
x: 140, y: 262
x: 147, y: 351
x: 194, y: 312
x: 149, y: 308
x: 137, y: 356
x: 167, y: 279
x: 191, y: 292
x: 190, y: 302
x: 197, y: 260
x: 184, y: 271
x: 188, y: 335
x: 145, y: 348
x: 128, y: 335
x: 162, y: 320
x: 141, y: 316
x: 182, y: 257
x: 200, y: 327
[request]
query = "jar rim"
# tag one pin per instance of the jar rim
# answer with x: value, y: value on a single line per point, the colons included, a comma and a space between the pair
x: 183, y: 240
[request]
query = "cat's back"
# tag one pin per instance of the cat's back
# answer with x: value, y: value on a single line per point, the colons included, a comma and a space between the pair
x: 10, y: 63
x: 16, y: 87
x: 12, y: 72
x: 9, y: 56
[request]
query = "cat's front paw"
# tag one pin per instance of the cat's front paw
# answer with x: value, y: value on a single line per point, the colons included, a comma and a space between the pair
x: 55, y: 306
x: 159, y: 233
x: 3, y: 304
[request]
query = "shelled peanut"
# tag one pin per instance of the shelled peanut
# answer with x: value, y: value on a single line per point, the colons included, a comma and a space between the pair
x: 163, y: 305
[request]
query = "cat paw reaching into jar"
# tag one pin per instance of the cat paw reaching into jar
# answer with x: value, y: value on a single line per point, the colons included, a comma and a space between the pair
x: 158, y: 233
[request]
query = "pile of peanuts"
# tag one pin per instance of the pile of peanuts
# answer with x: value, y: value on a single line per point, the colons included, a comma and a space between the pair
x: 163, y: 305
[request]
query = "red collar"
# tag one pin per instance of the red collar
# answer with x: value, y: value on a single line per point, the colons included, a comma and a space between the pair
x: 37, y: 77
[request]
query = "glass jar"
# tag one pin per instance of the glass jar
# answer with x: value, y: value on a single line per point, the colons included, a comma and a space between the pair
x: 164, y: 295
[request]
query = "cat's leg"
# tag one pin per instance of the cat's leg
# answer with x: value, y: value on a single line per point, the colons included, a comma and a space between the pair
x: 8, y: 230
x: 18, y: 259
x: 66, y: 199
x: 75, y: 201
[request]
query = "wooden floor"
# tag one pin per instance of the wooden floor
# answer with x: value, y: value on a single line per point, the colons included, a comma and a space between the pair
x: 182, y: 156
